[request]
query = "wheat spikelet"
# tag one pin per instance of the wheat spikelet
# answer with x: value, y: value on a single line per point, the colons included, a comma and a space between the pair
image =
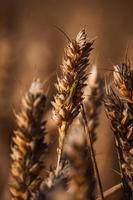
x: 55, y: 185
x: 93, y: 101
x: 67, y: 101
x: 123, y: 79
x: 81, y: 180
x: 90, y: 113
x: 28, y: 144
x: 122, y: 125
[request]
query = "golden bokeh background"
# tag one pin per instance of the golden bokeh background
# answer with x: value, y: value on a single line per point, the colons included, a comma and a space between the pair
x: 31, y: 47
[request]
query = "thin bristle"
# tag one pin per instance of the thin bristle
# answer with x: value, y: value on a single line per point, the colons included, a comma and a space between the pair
x: 28, y: 144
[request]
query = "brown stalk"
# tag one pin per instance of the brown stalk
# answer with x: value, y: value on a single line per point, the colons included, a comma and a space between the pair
x: 28, y: 144
x: 111, y: 191
x: 67, y: 102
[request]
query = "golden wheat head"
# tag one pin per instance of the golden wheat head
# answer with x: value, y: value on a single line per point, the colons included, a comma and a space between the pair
x: 28, y: 144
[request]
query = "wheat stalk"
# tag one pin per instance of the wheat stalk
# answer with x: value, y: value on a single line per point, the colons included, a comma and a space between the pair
x: 81, y: 179
x: 67, y: 101
x: 111, y: 191
x: 119, y: 109
x: 28, y: 144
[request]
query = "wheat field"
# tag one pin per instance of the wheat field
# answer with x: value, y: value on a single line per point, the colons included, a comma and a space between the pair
x: 66, y: 111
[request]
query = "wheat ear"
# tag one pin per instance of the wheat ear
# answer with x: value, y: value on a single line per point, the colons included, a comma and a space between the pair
x: 119, y: 111
x: 90, y: 112
x: 93, y: 101
x: 67, y: 101
x: 55, y: 184
x: 90, y: 142
x: 28, y: 144
x: 81, y: 179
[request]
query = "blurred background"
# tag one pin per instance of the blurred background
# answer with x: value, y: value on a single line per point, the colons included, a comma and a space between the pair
x: 31, y: 47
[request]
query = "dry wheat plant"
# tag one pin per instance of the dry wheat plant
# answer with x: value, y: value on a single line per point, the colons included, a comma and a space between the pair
x: 76, y: 174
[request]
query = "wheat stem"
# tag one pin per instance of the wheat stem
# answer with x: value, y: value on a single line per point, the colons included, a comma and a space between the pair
x: 111, y: 191
x: 62, y: 133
